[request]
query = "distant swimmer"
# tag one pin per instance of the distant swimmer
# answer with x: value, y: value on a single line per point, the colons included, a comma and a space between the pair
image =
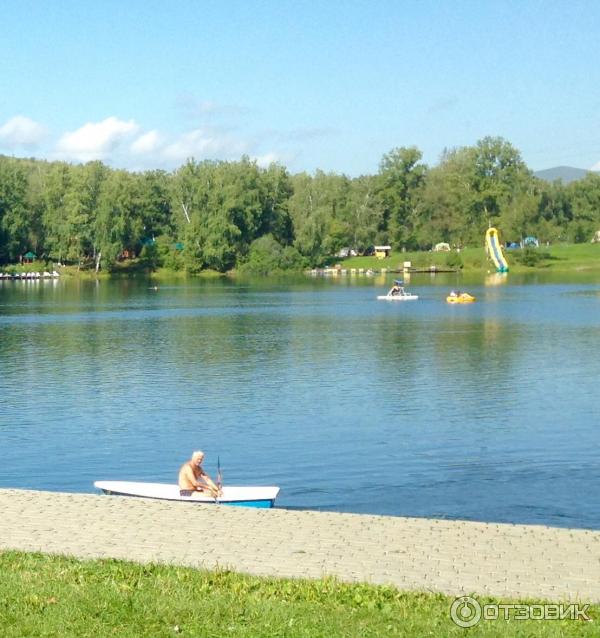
x: 153, y: 288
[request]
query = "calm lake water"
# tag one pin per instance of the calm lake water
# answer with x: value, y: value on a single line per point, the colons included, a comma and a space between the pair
x: 486, y: 412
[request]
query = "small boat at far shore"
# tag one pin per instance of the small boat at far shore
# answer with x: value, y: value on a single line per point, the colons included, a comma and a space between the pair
x: 23, y: 276
x: 247, y: 496
x: 460, y: 297
x: 397, y: 293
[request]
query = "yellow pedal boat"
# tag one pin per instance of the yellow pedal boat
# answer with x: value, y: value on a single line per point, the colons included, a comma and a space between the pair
x: 460, y: 297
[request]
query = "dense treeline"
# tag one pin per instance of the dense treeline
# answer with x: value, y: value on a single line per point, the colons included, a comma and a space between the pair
x: 225, y: 215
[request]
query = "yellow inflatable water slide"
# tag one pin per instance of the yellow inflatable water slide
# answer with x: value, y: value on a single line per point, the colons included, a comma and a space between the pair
x: 494, y: 250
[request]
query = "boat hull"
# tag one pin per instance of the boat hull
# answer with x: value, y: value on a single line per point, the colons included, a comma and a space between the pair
x: 246, y: 496
x: 398, y: 297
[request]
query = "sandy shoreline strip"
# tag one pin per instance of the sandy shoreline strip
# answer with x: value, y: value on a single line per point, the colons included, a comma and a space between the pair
x: 452, y: 557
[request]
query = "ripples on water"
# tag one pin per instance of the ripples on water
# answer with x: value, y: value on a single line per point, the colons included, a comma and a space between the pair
x: 485, y: 412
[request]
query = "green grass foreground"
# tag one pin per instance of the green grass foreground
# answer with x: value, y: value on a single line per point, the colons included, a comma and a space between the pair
x: 42, y: 596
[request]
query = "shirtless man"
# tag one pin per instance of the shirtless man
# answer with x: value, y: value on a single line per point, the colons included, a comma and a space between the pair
x: 192, y: 478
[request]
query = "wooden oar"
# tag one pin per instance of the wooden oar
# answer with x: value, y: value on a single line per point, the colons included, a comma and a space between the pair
x: 219, y: 475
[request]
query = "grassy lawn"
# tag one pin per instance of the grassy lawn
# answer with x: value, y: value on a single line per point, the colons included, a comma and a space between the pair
x: 561, y: 257
x: 574, y: 256
x: 44, y: 596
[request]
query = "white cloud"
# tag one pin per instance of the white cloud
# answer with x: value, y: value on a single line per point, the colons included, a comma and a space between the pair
x: 149, y: 142
x: 268, y: 158
x: 202, y: 144
x: 95, y: 140
x: 21, y: 131
x: 125, y: 144
x: 595, y: 167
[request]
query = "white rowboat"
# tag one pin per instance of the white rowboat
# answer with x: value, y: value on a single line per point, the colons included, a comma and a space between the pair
x: 245, y: 495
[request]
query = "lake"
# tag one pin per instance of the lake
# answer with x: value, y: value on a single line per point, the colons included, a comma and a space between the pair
x: 486, y: 412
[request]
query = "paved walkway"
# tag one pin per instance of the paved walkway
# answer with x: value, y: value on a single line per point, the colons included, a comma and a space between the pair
x: 453, y: 557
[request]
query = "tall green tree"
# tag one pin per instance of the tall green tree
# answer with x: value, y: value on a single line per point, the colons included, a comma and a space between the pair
x: 59, y: 234
x: 499, y: 175
x: 81, y: 208
x: 473, y: 187
x: 276, y: 219
x: 555, y: 211
x: 119, y: 223
x: 319, y: 210
x: 155, y: 203
x: 35, y: 206
x: 15, y: 218
x: 584, y: 195
x: 401, y: 179
x: 364, y: 213
x: 447, y: 197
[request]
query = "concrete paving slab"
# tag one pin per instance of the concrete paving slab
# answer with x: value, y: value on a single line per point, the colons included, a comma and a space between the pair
x: 451, y: 557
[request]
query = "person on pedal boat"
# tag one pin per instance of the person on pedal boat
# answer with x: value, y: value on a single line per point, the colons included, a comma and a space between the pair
x: 193, y: 478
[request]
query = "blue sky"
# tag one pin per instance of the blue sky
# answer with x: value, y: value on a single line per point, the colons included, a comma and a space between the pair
x: 330, y: 85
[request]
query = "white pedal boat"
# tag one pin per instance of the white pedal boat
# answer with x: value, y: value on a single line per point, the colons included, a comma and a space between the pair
x: 404, y: 296
x: 397, y: 293
x: 245, y: 496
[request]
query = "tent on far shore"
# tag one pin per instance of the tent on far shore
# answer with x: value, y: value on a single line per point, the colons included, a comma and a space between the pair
x: 28, y: 257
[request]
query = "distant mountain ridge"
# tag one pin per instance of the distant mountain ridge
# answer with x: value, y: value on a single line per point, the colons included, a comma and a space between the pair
x: 564, y: 173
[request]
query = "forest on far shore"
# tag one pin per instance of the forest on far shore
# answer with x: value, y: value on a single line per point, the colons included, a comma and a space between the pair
x: 236, y: 215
